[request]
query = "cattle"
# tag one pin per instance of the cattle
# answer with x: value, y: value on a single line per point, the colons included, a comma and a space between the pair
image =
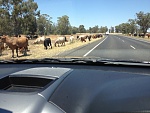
x: 82, y: 38
x: 89, y: 37
x: 77, y: 37
x: 130, y: 34
x: 1, y: 46
x: 22, y: 44
x: 39, y: 40
x: 29, y: 36
x: 141, y: 35
x: 35, y: 36
x: 47, y: 42
x: 135, y: 34
x: 94, y: 36
x: 60, y: 40
x: 101, y: 35
x: 15, y: 43
x: 148, y: 35
x: 71, y: 39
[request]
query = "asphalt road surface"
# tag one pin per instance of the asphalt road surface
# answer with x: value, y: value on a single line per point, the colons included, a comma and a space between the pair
x: 113, y: 47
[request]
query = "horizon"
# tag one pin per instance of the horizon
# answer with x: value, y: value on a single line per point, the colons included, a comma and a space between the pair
x: 91, y: 13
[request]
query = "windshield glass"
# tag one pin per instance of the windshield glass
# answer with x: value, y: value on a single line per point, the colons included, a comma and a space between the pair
x: 100, y: 29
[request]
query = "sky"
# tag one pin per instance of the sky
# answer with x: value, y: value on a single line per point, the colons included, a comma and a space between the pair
x: 93, y: 12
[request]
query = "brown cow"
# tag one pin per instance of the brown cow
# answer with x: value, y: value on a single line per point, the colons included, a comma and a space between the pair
x: 148, y: 35
x: 16, y: 43
x: 82, y: 38
x: 1, y: 46
x: 94, y: 37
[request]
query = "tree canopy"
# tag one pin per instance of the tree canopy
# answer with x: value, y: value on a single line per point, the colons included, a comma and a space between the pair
x: 23, y: 17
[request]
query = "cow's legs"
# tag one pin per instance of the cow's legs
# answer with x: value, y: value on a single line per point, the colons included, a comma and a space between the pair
x: 0, y: 52
x: 12, y: 53
x: 17, y: 51
x: 51, y: 45
x: 25, y: 51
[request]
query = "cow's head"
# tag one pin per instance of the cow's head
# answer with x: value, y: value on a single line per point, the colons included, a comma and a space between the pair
x: 3, y: 38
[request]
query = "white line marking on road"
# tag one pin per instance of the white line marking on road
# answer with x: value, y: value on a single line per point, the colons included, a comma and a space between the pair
x: 122, y: 40
x: 94, y: 47
x: 132, y: 47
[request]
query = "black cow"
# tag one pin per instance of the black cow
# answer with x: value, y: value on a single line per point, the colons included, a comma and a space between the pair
x: 47, y: 42
x: 29, y: 36
x: 135, y: 34
x: 88, y: 37
x: 141, y: 35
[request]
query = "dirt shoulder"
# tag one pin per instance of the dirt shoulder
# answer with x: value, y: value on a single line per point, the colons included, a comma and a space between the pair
x: 37, y: 51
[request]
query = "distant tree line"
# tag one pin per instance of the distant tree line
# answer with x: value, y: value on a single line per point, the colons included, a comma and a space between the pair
x: 23, y: 17
x: 138, y: 25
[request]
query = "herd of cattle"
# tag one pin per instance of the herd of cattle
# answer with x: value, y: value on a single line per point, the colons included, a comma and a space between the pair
x: 140, y: 35
x: 20, y: 43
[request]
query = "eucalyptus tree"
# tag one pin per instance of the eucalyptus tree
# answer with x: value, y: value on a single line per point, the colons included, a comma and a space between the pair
x: 29, y: 14
x: 112, y: 29
x: 44, y: 24
x: 81, y: 29
x: 103, y: 29
x: 74, y: 30
x: 63, y: 25
x: 17, y: 16
x: 95, y: 29
x: 5, y: 21
x: 143, y: 20
x: 132, y: 26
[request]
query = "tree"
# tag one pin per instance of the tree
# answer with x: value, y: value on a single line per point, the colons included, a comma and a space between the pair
x: 95, y: 29
x: 117, y: 29
x: 18, y: 16
x: 132, y: 26
x: 5, y: 21
x: 90, y: 30
x: 143, y: 20
x: 74, y: 30
x: 82, y: 29
x: 44, y: 24
x: 123, y: 28
x: 29, y: 13
x: 112, y: 30
x: 103, y: 29
x: 54, y: 29
x: 63, y: 25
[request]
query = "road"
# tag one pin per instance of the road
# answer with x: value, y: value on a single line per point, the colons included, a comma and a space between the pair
x: 114, y: 47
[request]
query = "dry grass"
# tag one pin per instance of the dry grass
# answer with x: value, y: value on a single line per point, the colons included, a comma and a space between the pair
x: 37, y: 51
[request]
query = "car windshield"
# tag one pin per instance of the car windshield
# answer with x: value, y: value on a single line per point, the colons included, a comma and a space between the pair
x: 98, y: 29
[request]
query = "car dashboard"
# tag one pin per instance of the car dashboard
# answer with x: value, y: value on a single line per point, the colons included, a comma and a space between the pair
x: 74, y: 88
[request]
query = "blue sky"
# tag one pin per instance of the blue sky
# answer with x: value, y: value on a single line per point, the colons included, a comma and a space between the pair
x: 94, y: 12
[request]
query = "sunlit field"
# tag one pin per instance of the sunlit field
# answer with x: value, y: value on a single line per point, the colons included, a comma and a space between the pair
x: 37, y: 51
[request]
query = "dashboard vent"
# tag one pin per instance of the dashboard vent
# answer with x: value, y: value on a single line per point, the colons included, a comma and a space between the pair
x: 24, y: 84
